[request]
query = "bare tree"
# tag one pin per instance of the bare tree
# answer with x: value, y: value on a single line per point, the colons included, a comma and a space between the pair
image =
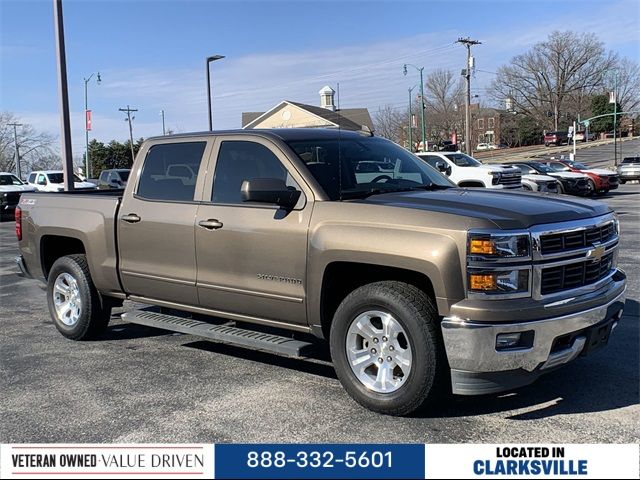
x: 35, y: 147
x: 628, y: 73
x: 545, y: 80
x: 443, y: 96
x: 390, y: 123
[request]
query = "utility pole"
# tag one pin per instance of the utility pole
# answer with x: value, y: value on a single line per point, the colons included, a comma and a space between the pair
x: 63, y: 97
x: 129, y: 119
x: 15, y: 139
x: 615, y: 117
x: 467, y: 42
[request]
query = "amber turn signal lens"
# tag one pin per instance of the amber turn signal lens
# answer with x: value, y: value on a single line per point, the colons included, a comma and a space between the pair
x: 482, y: 282
x: 486, y: 247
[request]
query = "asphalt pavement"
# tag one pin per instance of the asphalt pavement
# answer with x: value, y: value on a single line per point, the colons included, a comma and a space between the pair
x: 139, y: 384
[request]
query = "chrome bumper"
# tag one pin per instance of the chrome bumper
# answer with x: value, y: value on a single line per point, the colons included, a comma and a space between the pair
x: 471, y: 346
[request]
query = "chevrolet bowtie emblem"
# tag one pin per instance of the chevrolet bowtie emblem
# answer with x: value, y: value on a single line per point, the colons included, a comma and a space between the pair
x: 597, y: 253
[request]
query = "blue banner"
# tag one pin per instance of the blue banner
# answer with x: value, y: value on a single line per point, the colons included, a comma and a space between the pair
x: 249, y: 461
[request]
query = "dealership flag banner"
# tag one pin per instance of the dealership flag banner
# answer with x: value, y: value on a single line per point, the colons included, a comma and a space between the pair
x: 318, y: 461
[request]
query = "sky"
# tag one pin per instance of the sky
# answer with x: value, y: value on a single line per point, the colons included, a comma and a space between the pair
x: 151, y: 54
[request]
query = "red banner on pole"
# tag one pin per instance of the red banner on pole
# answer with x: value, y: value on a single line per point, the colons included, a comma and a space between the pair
x: 88, y: 120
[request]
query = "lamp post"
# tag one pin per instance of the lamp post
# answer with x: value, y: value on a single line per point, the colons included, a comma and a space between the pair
x: 615, y: 117
x: 163, y: 129
x: 210, y: 59
x: 87, y: 173
x: 411, y: 120
x: 421, y: 69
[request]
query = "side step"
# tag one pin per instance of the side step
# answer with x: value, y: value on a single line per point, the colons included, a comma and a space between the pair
x: 222, y: 333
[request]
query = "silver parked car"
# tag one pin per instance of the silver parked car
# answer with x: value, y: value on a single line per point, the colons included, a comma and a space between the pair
x: 629, y: 169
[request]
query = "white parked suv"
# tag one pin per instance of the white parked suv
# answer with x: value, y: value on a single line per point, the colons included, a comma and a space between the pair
x: 11, y: 187
x: 53, y: 181
x: 466, y: 171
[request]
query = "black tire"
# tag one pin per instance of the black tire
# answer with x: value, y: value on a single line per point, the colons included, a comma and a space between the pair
x: 592, y: 187
x: 415, y: 312
x: 94, y: 313
x: 623, y: 182
x: 526, y: 188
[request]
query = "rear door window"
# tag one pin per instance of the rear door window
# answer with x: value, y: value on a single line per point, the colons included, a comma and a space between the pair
x: 170, y: 171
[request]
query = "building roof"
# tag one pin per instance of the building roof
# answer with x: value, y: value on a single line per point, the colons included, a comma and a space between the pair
x: 348, y: 119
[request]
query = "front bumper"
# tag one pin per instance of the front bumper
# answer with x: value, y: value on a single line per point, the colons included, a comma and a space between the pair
x: 629, y: 175
x: 477, y: 367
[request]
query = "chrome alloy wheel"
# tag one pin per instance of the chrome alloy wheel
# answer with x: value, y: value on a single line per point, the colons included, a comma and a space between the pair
x: 378, y: 351
x: 66, y: 298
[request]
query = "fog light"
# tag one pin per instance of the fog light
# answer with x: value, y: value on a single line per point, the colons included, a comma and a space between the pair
x: 507, y: 340
x: 515, y: 341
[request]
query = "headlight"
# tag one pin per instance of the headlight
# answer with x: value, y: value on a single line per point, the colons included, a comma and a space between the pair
x: 499, y: 282
x: 616, y: 224
x: 496, y: 178
x: 490, y: 246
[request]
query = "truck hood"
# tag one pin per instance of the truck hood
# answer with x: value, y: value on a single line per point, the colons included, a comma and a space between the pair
x: 538, y: 178
x: 498, y: 168
x: 600, y: 171
x: 568, y: 175
x: 507, y: 210
x: 16, y: 188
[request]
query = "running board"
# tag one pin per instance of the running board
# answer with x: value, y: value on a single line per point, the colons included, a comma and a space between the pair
x: 240, y: 337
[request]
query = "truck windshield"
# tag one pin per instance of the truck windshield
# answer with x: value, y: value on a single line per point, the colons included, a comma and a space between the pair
x: 356, y: 168
x: 10, y: 180
x: 462, y: 160
x: 58, y: 178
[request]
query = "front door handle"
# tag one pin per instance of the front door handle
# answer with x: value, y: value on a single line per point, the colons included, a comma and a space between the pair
x: 211, y: 224
x: 131, y: 218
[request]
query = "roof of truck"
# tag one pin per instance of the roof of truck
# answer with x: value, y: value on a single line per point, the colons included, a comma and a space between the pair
x: 282, y: 133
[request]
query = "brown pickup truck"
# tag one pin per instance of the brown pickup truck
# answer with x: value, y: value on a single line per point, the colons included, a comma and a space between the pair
x: 418, y: 286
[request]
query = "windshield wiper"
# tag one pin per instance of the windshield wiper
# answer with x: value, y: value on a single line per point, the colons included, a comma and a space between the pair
x: 380, y: 191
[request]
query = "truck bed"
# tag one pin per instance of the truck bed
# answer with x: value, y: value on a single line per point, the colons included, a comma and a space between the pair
x: 83, y: 216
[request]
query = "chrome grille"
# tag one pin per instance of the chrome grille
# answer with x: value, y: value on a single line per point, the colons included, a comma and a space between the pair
x: 574, y: 275
x: 575, y: 240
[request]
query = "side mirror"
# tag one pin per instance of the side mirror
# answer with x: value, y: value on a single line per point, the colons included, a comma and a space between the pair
x: 443, y: 167
x: 269, y: 190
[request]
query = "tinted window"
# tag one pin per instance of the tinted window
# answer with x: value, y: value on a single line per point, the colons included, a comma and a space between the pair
x: 240, y: 161
x: 525, y: 170
x: 334, y: 164
x: 59, y: 178
x: 42, y: 180
x: 631, y: 160
x: 558, y: 167
x: 170, y: 171
x: 543, y: 168
x: 462, y: 160
x: 32, y: 178
x: 433, y: 160
x: 9, y: 180
x: 104, y: 175
x: 124, y: 175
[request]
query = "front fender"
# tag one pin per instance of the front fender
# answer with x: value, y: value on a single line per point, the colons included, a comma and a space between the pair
x: 432, y: 252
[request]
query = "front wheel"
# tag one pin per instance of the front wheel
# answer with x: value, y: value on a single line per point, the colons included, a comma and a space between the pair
x: 592, y: 187
x: 75, y: 305
x: 386, y: 349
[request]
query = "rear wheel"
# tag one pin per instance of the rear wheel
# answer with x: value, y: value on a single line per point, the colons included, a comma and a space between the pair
x: 386, y: 349
x: 74, y: 303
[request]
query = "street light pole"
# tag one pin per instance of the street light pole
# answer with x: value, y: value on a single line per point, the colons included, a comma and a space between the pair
x: 163, y: 129
x: 210, y: 59
x: 615, y: 118
x: 63, y: 96
x: 87, y: 166
x: 15, y: 139
x: 410, y: 121
x: 424, y: 132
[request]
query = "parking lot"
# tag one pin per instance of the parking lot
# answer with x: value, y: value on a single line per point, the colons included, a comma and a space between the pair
x: 139, y: 384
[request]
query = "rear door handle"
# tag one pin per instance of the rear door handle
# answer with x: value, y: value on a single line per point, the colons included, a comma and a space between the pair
x: 210, y: 224
x: 131, y: 218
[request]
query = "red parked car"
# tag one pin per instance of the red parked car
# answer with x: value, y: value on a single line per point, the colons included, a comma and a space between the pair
x: 555, y: 138
x: 600, y: 179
